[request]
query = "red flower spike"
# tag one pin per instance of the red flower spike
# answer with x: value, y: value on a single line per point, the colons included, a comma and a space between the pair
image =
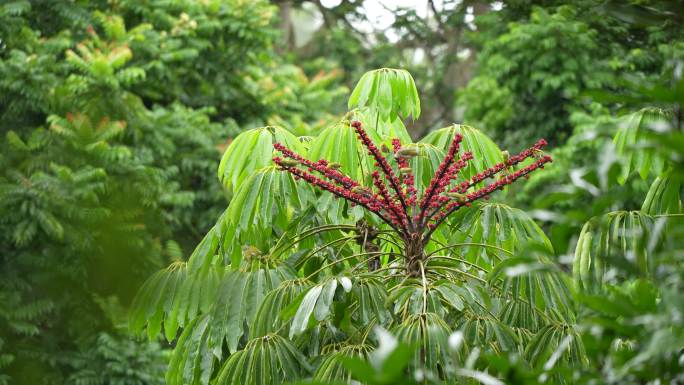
x: 415, y: 219
x: 407, y: 176
x: 442, y: 170
x: 380, y: 162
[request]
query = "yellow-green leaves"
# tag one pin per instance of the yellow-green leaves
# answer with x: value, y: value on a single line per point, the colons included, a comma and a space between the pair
x: 485, y: 152
x: 238, y: 298
x: 252, y: 150
x: 172, y: 297
x: 430, y: 333
x: 504, y: 229
x: 263, y: 200
x: 267, y: 198
x: 638, y: 158
x: 266, y: 360
x: 389, y: 92
x: 663, y: 195
x: 619, y: 233
x: 338, y: 144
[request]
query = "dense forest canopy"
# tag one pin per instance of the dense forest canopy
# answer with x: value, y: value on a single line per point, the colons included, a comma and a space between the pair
x: 254, y: 192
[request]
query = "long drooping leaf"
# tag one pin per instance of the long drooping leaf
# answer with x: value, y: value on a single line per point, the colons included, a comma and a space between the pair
x: 266, y: 360
x: 382, y: 131
x: 237, y: 301
x: 627, y: 144
x: 172, y: 297
x: 389, y: 92
x: 192, y: 361
x: 371, y: 296
x: 266, y: 199
x: 316, y: 303
x: 619, y: 235
x: 251, y: 151
x: 332, y: 367
x: 270, y: 315
x: 207, y: 251
x: 664, y: 195
x: 560, y: 338
x: 338, y: 144
x: 425, y: 164
x: 496, y: 225
x: 481, y: 328
x: 429, y: 334
x: 485, y: 152
x: 535, y: 281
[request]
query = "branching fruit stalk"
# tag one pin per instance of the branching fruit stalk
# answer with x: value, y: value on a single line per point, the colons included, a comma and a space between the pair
x: 393, y: 196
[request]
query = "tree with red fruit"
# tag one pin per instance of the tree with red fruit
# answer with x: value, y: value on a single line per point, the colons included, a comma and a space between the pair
x: 291, y: 282
x: 395, y: 201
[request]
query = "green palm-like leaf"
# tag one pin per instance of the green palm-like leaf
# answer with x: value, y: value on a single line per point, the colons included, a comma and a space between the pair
x: 316, y: 303
x: 238, y: 299
x: 481, y: 328
x: 485, y: 152
x: 535, y: 281
x: 504, y: 228
x: 332, y: 367
x: 390, y: 92
x: 172, y: 297
x: 429, y: 334
x: 192, y: 361
x: 424, y: 166
x: 266, y: 360
x: 381, y: 131
x: 271, y: 313
x: 561, y: 339
x: 339, y: 144
x: 206, y: 251
x: 619, y: 233
x: 252, y: 150
x: 265, y: 200
x: 664, y: 195
x: 371, y: 296
x: 643, y: 160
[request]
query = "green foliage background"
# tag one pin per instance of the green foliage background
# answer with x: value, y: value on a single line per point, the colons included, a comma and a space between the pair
x: 114, y: 115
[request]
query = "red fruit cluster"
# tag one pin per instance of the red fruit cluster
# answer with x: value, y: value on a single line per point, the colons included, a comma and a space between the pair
x: 395, y: 200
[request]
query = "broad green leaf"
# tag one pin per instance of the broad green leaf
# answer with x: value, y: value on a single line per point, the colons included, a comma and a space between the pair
x: 269, y: 317
x: 485, y: 152
x: 266, y: 360
x: 629, y: 144
x: 388, y: 92
x: 620, y: 236
x: 429, y: 334
x: 252, y: 150
x: 238, y: 299
x: 306, y: 308
x: 172, y: 297
x: 664, y: 195
x: 504, y: 229
x: 192, y: 359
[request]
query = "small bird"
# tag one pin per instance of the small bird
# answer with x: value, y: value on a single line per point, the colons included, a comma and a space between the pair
x: 361, y: 190
x: 334, y: 166
x: 506, y: 156
x: 407, y: 152
x: 405, y: 170
x: 250, y: 252
x: 458, y: 197
x: 288, y: 162
x: 538, y: 154
x: 384, y: 149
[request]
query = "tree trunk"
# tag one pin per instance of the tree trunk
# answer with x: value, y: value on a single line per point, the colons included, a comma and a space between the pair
x: 415, y: 255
